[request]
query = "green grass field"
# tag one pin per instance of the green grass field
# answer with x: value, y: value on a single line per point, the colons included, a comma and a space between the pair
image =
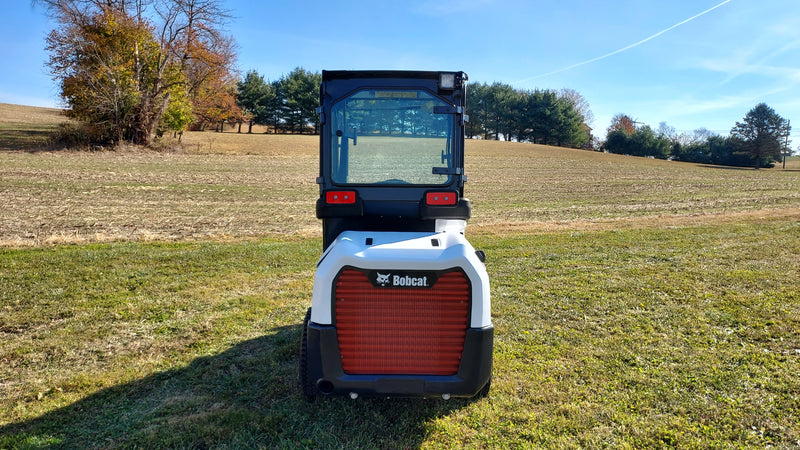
x: 154, y: 300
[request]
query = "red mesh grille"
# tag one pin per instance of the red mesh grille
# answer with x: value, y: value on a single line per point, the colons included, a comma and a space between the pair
x: 401, y: 331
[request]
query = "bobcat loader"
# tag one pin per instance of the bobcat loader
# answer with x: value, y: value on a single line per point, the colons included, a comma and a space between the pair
x: 400, y: 305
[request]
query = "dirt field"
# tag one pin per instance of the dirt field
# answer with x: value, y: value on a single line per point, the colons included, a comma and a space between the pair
x: 27, y: 116
x: 235, y: 186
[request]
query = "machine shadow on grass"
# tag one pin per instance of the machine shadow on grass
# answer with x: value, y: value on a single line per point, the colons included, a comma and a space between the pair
x: 247, y: 396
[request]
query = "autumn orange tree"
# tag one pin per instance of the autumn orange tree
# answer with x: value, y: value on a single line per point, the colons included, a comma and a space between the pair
x: 131, y: 68
x: 215, y: 103
x: 207, y: 58
x: 622, y: 122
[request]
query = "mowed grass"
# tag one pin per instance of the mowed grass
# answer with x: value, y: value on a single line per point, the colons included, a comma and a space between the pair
x: 681, y: 337
x: 155, y: 299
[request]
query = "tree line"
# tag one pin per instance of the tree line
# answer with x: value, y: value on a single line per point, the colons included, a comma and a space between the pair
x: 131, y: 70
x: 759, y: 140
x: 285, y: 105
x: 496, y: 111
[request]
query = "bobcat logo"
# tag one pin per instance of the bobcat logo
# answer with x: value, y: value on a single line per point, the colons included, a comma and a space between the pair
x: 381, y: 279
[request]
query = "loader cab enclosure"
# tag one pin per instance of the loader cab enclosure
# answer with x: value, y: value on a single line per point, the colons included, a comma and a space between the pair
x: 401, y: 301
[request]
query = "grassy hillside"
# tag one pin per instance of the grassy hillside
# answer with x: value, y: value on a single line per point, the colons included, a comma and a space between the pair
x: 27, y: 127
x: 155, y: 300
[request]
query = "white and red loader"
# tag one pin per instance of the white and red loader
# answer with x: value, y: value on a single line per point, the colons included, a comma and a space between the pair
x: 401, y: 302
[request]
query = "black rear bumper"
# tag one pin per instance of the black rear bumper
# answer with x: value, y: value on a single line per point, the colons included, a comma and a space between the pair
x: 327, y: 377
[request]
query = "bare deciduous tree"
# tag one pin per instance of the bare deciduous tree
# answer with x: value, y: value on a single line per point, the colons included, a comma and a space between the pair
x: 137, y: 59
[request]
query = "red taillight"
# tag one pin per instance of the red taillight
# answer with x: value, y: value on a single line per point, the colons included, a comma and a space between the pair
x: 340, y: 197
x: 441, y: 198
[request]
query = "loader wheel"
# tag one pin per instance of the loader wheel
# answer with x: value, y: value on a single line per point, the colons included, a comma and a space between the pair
x: 305, y: 384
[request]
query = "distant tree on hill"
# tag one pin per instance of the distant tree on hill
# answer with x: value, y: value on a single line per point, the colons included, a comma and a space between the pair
x: 579, y: 102
x: 500, y: 119
x: 786, y: 148
x: 478, y: 105
x: 498, y: 111
x: 572, y: 130
x: 215, y: 103
x: 299, y: 92
x: 552, y: 120
x: 727, y: 151
x: 288, y: 104
x: 669, y: 132
x: 642, y: 142
x: 647, y: 143
x: 622, y: 122
x: 761, y: 133
x: 273, y: 115
x: 700, y: 135
x: 253, y: 97
x: 541, y: 118
x: 756, y: 141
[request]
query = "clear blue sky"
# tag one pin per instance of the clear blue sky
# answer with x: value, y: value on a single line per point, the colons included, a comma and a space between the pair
x: 690, y: 63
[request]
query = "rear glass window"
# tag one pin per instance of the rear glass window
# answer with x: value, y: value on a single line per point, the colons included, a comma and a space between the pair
x: 384, y: 136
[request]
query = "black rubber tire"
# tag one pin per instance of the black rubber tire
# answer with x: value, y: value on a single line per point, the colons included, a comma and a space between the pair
x: 305, y: 383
